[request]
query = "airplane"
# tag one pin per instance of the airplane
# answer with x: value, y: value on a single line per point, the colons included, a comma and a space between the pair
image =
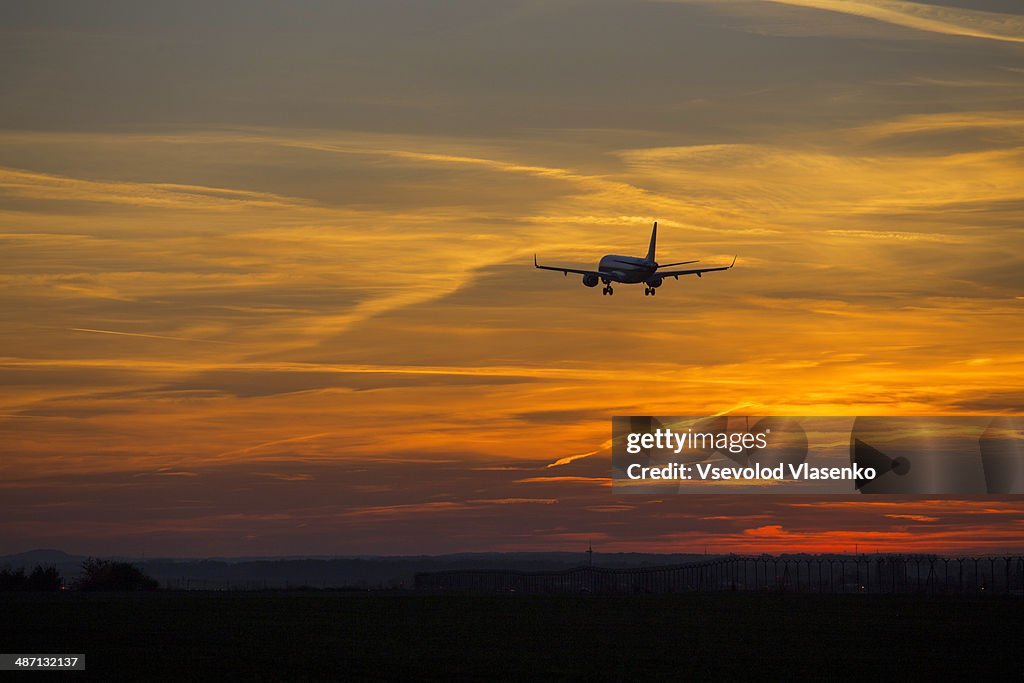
x: 632, y: 270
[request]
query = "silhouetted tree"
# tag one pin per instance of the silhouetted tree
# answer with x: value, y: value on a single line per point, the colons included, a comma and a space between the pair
x: 44, y: 579
x: 109, y: 575
x: 11, y: 580
x: 41, y: 579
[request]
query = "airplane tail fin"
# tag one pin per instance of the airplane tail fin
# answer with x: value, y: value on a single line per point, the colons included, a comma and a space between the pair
x: 654, y: 240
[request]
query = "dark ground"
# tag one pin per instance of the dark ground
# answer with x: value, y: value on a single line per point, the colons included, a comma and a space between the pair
x: 313, y: 635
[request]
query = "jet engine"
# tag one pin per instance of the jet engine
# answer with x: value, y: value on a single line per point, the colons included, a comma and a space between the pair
x: 655, y: 282
x: 590, y: 280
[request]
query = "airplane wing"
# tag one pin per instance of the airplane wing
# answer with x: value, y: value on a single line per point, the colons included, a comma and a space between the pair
x: 694, y: 271
x: 566, y: 271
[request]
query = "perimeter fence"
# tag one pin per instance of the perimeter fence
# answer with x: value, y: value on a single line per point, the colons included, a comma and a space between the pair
x: 992, y: 575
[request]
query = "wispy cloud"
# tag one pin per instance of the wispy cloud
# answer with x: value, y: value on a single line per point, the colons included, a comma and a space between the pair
x: 31, y: 185
x: 914, y: 518
x: 954, y: 21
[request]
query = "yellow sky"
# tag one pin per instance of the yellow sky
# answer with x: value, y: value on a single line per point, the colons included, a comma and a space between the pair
x: 287, y: 305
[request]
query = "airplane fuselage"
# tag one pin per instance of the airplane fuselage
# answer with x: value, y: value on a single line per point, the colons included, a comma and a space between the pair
x: 627, y: 269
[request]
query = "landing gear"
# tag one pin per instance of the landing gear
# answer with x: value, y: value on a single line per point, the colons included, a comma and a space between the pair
x: 650, y: 291
x: 608, y: 290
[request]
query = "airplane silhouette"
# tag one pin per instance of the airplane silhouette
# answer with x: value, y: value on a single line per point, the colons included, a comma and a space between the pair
x: 632, y: 270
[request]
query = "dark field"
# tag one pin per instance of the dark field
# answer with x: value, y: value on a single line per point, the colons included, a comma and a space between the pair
x: 275, y: 636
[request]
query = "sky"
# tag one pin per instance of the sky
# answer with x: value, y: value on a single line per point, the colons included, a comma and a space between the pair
x: 267, y: 282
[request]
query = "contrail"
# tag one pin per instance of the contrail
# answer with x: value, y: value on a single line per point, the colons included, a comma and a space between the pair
x: 277, y: 442
x: 148, y: 336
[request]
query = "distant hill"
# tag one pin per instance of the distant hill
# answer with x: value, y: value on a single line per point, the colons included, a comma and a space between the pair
x: 42, y: 556
x: 67, y: 565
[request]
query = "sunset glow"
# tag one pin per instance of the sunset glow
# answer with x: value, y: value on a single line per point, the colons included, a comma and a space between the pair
x: 283, y: 301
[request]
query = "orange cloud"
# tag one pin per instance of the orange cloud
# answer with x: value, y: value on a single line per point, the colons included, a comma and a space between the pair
x: 915, y: 518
